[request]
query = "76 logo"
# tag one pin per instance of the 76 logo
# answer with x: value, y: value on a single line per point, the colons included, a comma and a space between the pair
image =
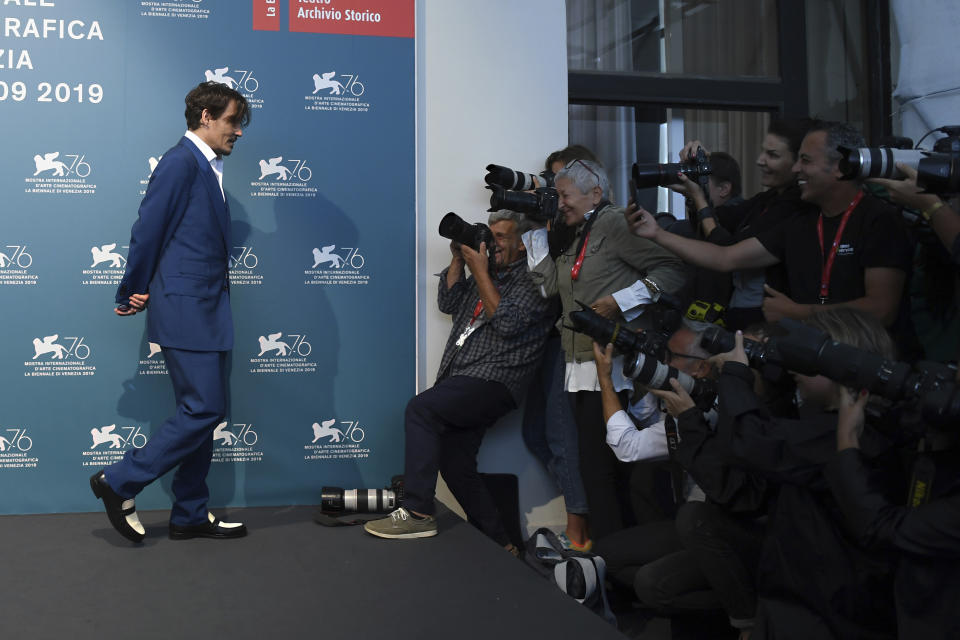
x: 17, y: 439
x: 243, y: 257
x: 300, y: 346
x: 353, y: 84
x: 17, y: 255
x: 229, y: 438
x: 77, y: 165
x: 246, y: 81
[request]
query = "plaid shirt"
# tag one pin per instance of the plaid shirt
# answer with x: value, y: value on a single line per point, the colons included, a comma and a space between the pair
x: 506, y: 347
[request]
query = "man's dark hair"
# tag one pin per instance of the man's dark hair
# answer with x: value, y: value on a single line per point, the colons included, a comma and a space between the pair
x: 791, y: 130
x: 838, y: 134
x: 570, y: 153
x: 724, y: 168
x: 215, y: 97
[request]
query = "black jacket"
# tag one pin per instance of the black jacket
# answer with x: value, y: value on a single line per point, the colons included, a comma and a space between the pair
x: 927, y: 538
x: 815, y: 580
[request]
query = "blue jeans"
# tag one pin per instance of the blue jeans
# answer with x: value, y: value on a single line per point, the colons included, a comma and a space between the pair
x: 549, y: 430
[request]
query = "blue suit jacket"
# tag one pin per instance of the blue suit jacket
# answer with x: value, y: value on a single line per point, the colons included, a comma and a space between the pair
x: 179, y: 254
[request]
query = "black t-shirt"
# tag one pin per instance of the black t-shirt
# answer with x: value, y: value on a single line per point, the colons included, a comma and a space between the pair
x: 875, y: 236
x: 765, y: 211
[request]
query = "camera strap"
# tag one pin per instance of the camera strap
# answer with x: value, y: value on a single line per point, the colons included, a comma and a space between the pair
x: 584, y: 238
x: 472, y: 325
x: 678, y: 479
x: 827, y: 268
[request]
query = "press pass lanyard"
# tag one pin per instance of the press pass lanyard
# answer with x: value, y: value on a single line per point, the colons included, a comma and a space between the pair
x: 471, y: 326
x: 575, y: 270
x: 584, y: 239
x: 828, y: 266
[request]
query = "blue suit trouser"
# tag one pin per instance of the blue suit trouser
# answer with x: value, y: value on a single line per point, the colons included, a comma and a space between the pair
x: 184, y: 440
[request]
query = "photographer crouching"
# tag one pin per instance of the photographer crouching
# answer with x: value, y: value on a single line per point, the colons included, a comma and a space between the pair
x: 500, y: 324
x: 925, y: 532
x: 703, y: 562
x: 814, y: 579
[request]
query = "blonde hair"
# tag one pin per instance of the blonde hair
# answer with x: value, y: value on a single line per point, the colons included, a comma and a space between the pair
x: 855, y: 328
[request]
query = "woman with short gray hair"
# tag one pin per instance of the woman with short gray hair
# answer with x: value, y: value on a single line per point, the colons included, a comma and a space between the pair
x: 605, y: 266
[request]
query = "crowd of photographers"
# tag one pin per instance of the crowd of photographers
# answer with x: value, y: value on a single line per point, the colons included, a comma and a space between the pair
x: 750, y: 412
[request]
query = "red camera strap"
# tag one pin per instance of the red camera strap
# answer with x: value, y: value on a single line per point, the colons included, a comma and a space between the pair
x: 575, y: 271
x: 827, y: 269
x: 477, y: 309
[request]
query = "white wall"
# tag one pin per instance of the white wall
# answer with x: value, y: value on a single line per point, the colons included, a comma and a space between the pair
x: 491, y: 88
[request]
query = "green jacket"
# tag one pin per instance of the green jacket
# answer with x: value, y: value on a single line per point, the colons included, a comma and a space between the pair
x: 614, y: 260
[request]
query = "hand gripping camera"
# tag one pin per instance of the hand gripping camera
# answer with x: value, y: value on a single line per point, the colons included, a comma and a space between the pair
x: 643, y: 352
x: 926, y: 390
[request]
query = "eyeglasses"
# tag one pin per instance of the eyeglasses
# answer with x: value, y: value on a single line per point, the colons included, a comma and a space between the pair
x: 583, y: 164
x: 671, y: 355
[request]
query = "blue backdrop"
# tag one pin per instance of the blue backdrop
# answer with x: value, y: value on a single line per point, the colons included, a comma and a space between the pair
x: 321, y: 189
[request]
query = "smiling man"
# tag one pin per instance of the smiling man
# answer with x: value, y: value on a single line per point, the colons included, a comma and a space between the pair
x: 178, y: 261
x: 851, y: 250
x: 500, y: 324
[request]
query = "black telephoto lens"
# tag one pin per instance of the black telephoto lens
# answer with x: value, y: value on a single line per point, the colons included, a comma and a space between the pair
x: 453, y: 227
x: 655, y: 175
x: 518, y: 201
x: 604, y: 331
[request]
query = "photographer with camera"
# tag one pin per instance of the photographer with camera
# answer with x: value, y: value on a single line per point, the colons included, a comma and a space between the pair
x: 769, y: 209
x: 925, y: 532
x: 548, y: 427
x: 500, y: 323
x: 935, y: 285
x: 704, y: 560
x: 616, y: 274
x: 854, y: 253
x: 941, y: 217
x: 814, y: 580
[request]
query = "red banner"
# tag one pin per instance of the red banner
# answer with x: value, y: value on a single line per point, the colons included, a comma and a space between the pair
x: 394, y: 18
x: 266, y: 15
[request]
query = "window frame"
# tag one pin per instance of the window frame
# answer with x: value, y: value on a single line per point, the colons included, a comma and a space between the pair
x: 785, y: 96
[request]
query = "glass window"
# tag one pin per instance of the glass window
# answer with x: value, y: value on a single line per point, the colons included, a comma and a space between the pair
x: 622, y: 136
x: 694, y: 37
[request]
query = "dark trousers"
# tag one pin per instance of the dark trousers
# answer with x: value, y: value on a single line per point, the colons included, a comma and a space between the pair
x: 704, y: 560
x: 185, y: 440
x: 605, y: 479
x: 727, y: 550
x: 444, y: 427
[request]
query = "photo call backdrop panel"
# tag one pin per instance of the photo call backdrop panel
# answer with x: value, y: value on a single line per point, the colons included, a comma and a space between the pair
x: 321, y: 189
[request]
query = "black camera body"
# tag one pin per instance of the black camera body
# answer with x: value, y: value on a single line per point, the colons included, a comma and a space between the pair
x: 524, y: 193
x: 938, y: 171
x: 643, y: 353
x: 453, y: 227
x: 661, y: 175
x: 540, y: 205
x: 929, y: 387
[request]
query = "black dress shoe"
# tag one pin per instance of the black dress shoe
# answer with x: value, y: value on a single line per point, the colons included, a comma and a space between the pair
x: 213, y: 528
x: 122, y: 513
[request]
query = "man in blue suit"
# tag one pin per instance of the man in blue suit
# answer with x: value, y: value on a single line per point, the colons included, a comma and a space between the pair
x: 178, y: 261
